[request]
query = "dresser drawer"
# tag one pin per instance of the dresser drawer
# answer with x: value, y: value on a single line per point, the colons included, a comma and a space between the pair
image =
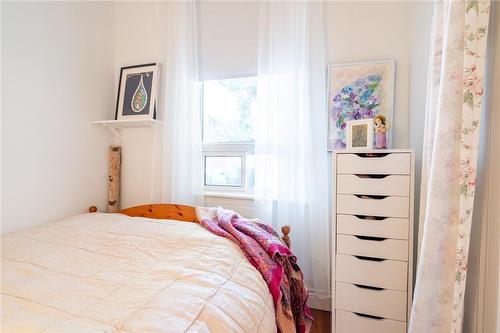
x: 387, y: 274
x: 385, y: 206
x: 397, y: 185
x: 349, y: 322
x: 388, y: 227
x: 379, y: 163
x: 384, y: 303
x: 395, y: 249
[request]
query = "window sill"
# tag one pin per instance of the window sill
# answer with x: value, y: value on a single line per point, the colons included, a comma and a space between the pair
x: 229, y: 195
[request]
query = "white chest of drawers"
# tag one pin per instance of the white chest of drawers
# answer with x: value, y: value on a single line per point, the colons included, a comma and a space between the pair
x: 372, y: 265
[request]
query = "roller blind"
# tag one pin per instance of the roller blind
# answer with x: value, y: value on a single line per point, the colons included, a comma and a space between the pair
x: 227, y: 39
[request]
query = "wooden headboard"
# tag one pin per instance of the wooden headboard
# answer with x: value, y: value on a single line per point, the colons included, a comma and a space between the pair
x: 163, y: 211
x: 176, y: 212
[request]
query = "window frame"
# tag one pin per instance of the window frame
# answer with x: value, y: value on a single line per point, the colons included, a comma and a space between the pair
x: 240, y: 149
x: 225, y: 149
x: 237, y: 188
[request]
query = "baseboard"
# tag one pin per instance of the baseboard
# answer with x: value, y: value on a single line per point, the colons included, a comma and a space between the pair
x: 319, y: 301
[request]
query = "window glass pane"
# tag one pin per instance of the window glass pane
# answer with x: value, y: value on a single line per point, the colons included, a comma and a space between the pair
x: 223, y: 171
x: 227, y: 110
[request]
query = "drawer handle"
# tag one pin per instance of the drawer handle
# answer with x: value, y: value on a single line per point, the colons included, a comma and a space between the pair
x: 370, y: 176
x: 367, y: 217
x: 368, y: 316
x: 370, y: 258
x: 371, y: 238
x: 368, y: 287
x: 372, y: 155
x: 376, y: 197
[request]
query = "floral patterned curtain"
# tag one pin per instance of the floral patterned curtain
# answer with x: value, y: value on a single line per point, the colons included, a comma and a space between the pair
x: 451, y: 140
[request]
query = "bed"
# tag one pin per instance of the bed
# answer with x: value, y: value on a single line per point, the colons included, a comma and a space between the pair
x: 143, y: 270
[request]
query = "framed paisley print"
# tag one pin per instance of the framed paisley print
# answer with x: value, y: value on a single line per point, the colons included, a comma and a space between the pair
x: 137, y: 91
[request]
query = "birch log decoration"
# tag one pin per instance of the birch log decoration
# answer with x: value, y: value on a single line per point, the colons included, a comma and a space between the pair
x: 114, y: 178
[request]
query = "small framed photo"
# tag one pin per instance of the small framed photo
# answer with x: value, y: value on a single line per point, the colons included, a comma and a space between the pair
x: 360, y: 134
x: 137, y: 91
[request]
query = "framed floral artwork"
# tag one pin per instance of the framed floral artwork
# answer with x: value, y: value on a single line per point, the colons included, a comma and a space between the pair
x: 359, y: 91
x: 137, y: 89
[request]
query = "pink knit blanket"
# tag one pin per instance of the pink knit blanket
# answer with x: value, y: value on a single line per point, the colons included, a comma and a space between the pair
x: 276, y: 263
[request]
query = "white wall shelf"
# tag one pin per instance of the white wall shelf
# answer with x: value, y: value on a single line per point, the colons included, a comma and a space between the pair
x: 128, y: 123
x: 116, y: 125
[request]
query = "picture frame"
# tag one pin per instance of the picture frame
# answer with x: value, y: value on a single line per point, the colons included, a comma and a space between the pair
x: 137, y: 92
x: 360, y: 134
x: 359, y: 91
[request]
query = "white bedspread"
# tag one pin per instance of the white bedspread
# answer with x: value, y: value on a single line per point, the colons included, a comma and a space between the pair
x: 113, y: 273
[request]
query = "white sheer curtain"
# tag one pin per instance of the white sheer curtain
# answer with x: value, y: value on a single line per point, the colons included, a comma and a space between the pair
x: 182, y: 146
x: 290, y: 138
x: 451, y: 145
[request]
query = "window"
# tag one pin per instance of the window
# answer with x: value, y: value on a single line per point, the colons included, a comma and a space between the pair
x: 228, y: 137
x: 224, y: 171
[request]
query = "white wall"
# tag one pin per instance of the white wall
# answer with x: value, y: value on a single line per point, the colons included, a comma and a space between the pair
x: 139, y: 37
x: 57, y: 77
x: 419, y: 62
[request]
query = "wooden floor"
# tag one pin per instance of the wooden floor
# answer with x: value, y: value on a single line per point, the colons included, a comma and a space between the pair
x: 321, y: 321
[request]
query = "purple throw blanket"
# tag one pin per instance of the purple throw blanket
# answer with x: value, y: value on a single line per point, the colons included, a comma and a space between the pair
x: 276, y: 263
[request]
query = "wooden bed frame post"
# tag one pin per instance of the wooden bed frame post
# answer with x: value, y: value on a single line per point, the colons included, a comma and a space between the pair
x: 114, y: 179
x: 286, y: 230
